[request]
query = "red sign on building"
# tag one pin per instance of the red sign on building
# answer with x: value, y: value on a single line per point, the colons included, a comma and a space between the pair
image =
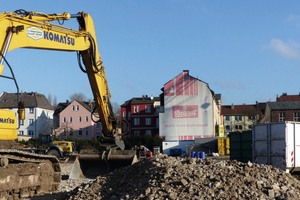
x: 189, y: 111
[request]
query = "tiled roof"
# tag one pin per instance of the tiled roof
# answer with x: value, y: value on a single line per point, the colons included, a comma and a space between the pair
x: 32, y: 99
x: 61, y: 106
x: 140, y: 100
x: 286, y: 97
x: 244, y: 109
x: 286, y: 105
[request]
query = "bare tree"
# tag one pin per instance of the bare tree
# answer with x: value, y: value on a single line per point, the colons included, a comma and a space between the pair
x: 52, y: 100
x: 78, y: 96
x: 116, y: 109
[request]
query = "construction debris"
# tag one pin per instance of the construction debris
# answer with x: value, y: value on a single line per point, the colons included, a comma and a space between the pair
x: 164, y: 177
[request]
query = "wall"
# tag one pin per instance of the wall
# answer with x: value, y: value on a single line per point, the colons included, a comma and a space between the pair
x: 88, y: 128
x: 188, y: 109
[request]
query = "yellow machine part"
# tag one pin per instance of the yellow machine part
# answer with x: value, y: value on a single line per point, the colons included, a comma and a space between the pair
x: 65, y: 145
x: 8, y: 125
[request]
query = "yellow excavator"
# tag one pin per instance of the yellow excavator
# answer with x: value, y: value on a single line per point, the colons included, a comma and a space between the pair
x: 24, y: 174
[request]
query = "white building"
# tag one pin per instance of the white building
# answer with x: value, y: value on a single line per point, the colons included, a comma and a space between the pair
x: 38, y: 113
x: 191, y: 110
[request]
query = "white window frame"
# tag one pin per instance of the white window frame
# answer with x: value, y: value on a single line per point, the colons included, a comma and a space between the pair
x: 136, y: 109
x: 296, y: 116
x: 31, y: 110
x: 281, y: 117
x: 31, y: 122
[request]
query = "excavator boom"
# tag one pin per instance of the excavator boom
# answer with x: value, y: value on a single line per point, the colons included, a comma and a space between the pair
x: 37, y: 30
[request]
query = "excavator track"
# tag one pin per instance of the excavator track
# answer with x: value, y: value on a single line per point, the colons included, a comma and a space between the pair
x: 24, y: 174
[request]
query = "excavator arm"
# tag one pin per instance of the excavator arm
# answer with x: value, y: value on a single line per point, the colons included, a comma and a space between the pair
x: 36, y: 30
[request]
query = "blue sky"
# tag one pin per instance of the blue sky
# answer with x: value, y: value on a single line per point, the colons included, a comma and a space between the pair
x: 246, y: 51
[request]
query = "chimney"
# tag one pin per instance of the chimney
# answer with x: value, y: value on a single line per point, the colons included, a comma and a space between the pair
x: 186, y: 72
x: 232, y: 106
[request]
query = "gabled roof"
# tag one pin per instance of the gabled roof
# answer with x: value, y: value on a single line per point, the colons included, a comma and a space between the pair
x: 31, y: 100
x: 61, y: 106
x: 245, y: 109
x: 187, y: 73
x: 140, y: 100
x: 286, y: 105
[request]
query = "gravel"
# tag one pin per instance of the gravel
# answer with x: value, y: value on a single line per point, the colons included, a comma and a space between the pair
x: 170, y: 178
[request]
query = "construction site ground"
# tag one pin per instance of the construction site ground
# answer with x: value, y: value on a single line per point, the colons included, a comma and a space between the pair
x: 164, y: 177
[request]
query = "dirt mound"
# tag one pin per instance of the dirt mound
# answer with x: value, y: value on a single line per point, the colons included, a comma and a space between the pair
x: 166, y: 177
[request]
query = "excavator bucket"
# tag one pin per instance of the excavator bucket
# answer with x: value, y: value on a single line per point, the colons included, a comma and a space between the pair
x: 90, y: 164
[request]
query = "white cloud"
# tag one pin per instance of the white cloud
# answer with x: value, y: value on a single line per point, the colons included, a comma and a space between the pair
x: 287, y: 50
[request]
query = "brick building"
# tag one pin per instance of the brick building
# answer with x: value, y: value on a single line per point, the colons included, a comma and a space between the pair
x: 141, y: 114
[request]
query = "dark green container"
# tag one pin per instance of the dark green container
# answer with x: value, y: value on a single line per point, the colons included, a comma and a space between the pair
x: 241, y: 146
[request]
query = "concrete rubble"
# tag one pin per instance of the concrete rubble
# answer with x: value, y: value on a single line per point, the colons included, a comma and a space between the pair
x: 166, y: 177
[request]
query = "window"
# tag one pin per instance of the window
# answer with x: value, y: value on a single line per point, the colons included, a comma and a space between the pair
x: 296, y: 117
x: 31, y: 110
x: 148, y: 121
x: 129, y: 115
x: 79, y: 119
x: 238, y: 118
x: 86, y: 118
x: 251, y: 117
x: 73, y: 107
x: 21, y: 122
x: 124, y: 114
x: 148, y: 132
x: 64, y: 120
x: 30, y: 122
x: 136, y: 133
x: 136, y: 121
x: 227, y: 127
x: 77, y: 107
x: 30, y: 133
x: 98, y: 125
x: 281, y: 117
x: 136, y: 109
x: 86, y: 131
x: 21, y: 132
x: 80, y: 132
x: 148, y: 109
x: 227, y: 118
x: 238, y: 127
x: 70, y: 120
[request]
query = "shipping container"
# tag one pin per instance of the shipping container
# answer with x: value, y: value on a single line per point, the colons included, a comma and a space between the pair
x: 241, y: 146
x: 177, y: 146
x: 277, y: 144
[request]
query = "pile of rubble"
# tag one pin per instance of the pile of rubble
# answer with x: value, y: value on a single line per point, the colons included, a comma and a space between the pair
x: 166, y: 177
